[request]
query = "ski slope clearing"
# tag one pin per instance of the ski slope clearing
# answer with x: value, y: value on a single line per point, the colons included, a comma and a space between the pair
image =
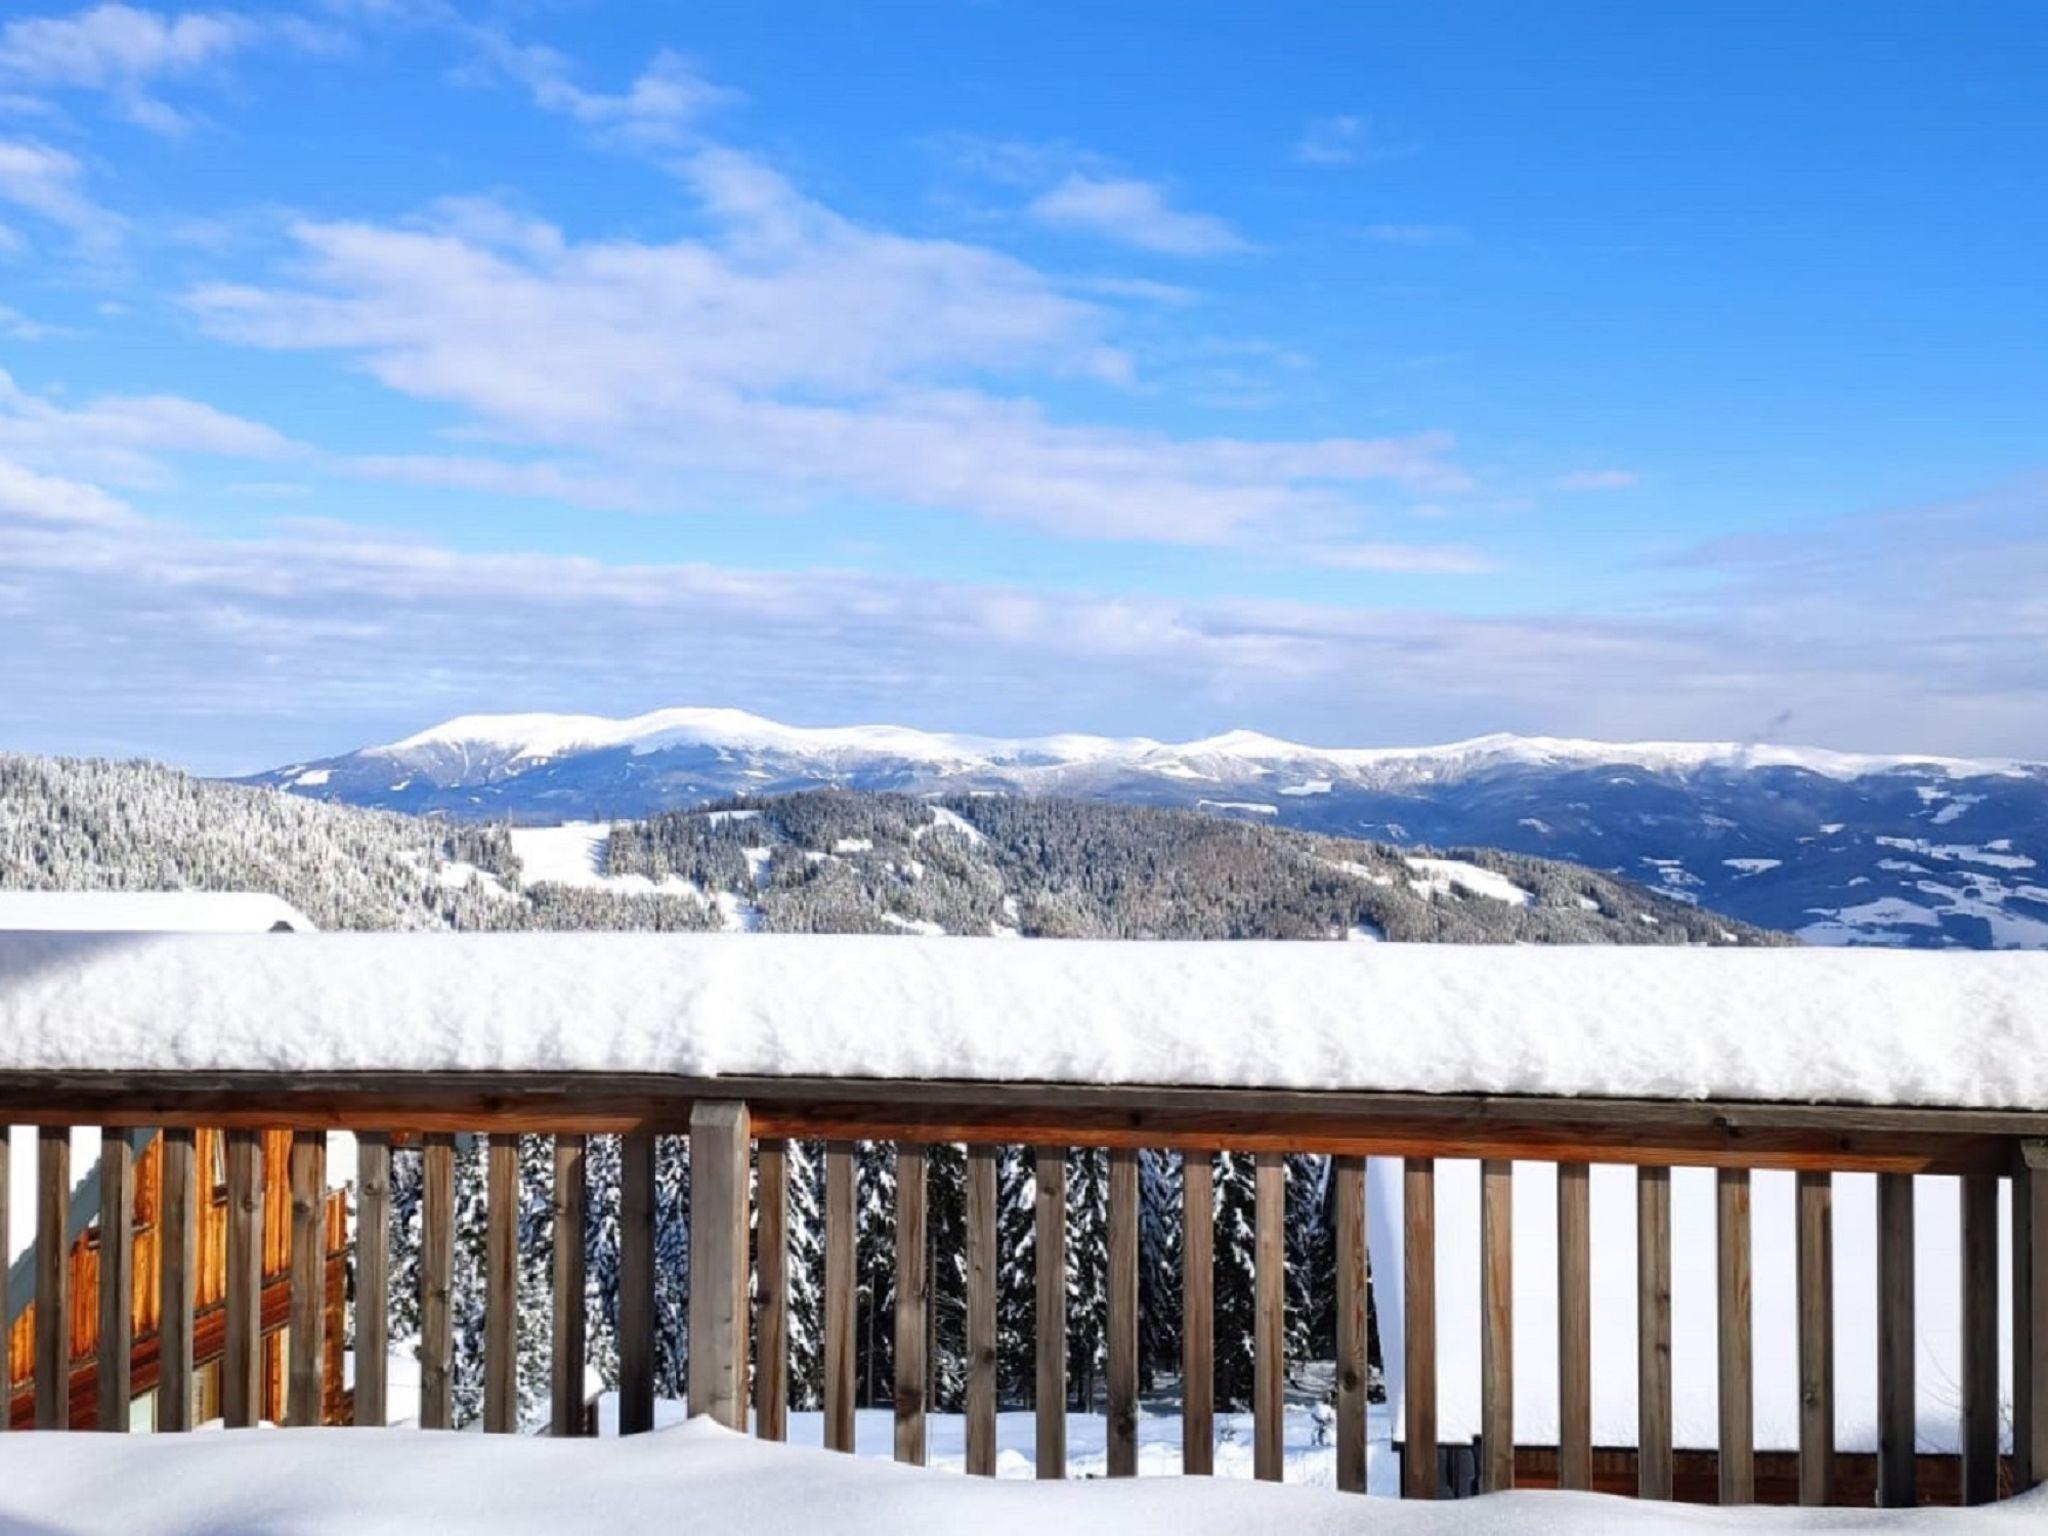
x: 1958, y: 1029
x: 698, y: 1477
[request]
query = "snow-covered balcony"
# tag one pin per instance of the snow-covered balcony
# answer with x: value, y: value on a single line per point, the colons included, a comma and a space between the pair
x: 1734, y: 1225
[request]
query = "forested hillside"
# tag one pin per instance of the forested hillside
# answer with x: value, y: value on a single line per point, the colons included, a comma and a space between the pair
x: 824, y: 862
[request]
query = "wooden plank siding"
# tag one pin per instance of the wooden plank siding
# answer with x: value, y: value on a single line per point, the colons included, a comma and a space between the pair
x: 1198, y: 1315
x: 771, y: 1295
x: 1353, y: 1378
x: 1574, y: 1324
x: 567, y: 1207
x: 1496, y: 1327
x: 1050, y: 1334
x: 217, y: 1251
x: 115, y: 1282
x: 982, y: 1279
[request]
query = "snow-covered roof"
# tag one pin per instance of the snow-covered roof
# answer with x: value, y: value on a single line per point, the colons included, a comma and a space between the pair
x: 1931, y: 1028
x: 148, y: 912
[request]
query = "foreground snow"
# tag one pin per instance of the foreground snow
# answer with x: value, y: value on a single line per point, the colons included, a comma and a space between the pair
x: 1955, y: 1029
x: 698, y: 1477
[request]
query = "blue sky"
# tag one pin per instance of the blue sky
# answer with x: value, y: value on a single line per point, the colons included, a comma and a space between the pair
x: 1362, y: 373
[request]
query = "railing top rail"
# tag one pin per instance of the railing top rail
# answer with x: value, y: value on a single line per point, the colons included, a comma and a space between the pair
x: 1842, y: 1137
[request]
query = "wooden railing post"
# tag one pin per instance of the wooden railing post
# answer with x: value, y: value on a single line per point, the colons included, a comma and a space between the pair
x: 1198, y: 1314
x: 839, y: 1256
x: 53, y: 1277
x: 1418, y: 1291
x: 306, y: 1397
x: 912, y: 1381
x: 177, y: 1267
x: 1897, y: 1462
x: 1051, y: 1280
x: 1269, y: 1316
x: 771, y: 1304
x: 501, y: 1285
x: 1980, y: 1337
x: 636, y: 1282
x: 117, y: 1277
x: 981, y: 1311
x: 1497, y: 1326
x: 373, y: 1276
x: 437, y: 1282
x: 1816, y: 1243
x: 566, y: 1356
x: 1737, y: 1450
x: 1653, y: 1333
x: 719, y: 1140
x: 1574, y: 1326
x: 1122, y: 1343
x: 2030, y: 1316
x: 1352, y: 1365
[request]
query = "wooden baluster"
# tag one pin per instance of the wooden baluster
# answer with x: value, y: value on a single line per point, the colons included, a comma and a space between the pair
x: 241, y: 1369
x: 1733, y: 1333
x: 771, y: 1306
x: 981, y: 1311
x: 912, y: 1295
x: 1574, y: 1326
x: 437, y: 1279
x: 177, y: 1268
x: 1897, y: 1454
x: 1497, y: 1326
x: 566, y: 1357
x: 1653, y: 1333
x: 1122, y: 1341
x: 1351, y: 1366
x: 1051, y: 1340
x: 117, y: 1278
x: 1418, y: 1225
x: 305, y: 1395
x: 636, y: 1283
x: 721, y: 1136
x: 1269, y: 1316
x: 839, y: 1236
x: 53, y: 1277
x: 373, y: 1276
x: 2030, y: 1316
x: 1816, y: 1338
x: 1980, y: 1337
x: 501, y: 1285
x: 1198, y: 1314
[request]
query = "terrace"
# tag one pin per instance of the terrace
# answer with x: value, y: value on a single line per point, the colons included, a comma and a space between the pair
x: 1613, y: 1211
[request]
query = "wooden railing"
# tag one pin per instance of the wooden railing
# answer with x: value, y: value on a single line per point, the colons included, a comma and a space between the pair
x: 739, y: 1130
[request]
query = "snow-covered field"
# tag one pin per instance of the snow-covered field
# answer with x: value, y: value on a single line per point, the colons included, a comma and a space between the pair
x: 1953, y: 1029
x: 698, y: 1477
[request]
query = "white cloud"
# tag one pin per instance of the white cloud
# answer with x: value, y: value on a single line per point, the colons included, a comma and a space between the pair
x: 1408, y: 559
x: 125, y: 439
x: 1134, y: 213
x: 653, y: 112
x: 50, y: 184
x: 323, y: 635
x: 1597, y: 480
x: 794, y: 352
x: 1331, y: 141
x: 119, y: 50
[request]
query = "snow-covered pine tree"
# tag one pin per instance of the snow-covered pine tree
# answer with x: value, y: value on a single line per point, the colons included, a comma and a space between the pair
x: 1159, y: 1260
x: 1016, y: 1275
x: 671, y: 1266
x: 1236, y: 1206
x: 1087, y: 1272
x: 874, y: 1273
x: 806, y: 1179
x: 1311, y: 1261
x: 946, y: 1263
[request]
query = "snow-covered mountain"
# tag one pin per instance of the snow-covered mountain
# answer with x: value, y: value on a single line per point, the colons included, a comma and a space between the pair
x: 1841, y: 847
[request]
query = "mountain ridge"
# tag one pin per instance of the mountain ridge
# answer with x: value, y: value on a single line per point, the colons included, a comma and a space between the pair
x: 1897, y: 848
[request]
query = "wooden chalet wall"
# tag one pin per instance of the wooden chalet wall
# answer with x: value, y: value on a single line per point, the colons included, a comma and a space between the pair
x: 209, y: 1313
